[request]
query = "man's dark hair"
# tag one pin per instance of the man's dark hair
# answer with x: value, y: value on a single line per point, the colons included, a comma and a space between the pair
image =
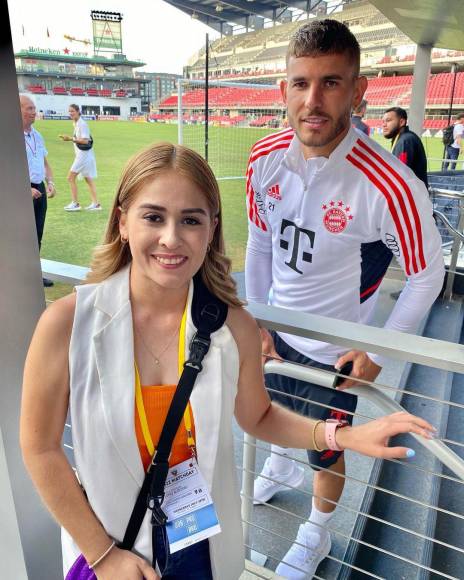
x: 75, y: 107
x: 399, y: 111
x: 459, y: 116
x: 324, y: 37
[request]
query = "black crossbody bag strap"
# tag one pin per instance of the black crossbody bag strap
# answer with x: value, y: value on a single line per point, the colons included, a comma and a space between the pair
x: 208, y: 315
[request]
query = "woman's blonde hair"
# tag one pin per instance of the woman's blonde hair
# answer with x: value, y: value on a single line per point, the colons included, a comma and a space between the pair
x: 142, y: 168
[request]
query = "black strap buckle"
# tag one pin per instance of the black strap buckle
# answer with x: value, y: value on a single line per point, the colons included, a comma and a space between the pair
x: 158, y: 517
x: 198, y: 349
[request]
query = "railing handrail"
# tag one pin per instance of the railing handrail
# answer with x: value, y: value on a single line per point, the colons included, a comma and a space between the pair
x: 370, y: 392
x: 446, y: 192
x: 391, y: 343
x: 449, y: 225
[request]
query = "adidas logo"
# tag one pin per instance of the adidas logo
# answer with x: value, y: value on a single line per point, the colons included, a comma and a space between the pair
x: 274, y: 191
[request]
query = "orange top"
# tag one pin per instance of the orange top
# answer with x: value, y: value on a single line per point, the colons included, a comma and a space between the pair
x: 156, y: 400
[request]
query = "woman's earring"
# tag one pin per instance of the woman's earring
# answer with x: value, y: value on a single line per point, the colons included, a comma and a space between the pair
x: 209, y: 248
x: 124, y: 240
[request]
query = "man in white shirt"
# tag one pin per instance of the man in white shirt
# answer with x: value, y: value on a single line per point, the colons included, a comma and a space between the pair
x: 453, y: 150
x: 324, y: 202
x: 39, y: 168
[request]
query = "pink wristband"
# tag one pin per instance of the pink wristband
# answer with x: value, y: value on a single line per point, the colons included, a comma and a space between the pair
x: 331, y: 426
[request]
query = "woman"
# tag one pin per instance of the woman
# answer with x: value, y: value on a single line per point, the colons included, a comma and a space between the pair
x: 123, y: 329
x: 84, y: 161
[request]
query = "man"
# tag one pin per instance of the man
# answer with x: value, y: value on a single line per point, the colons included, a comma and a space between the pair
x: 39, y: 168
x: 453, y: 150
x: 406, y: 145
x: 357, y: 118
x: 315, y: 193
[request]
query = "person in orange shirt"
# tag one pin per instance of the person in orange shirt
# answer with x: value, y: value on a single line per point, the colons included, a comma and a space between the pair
x: 118, y: 345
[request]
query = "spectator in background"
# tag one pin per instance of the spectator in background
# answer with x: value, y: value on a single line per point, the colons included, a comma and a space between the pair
x: 453, y: 150
x: 84, y: 161
x: 406, y: 145
x: 357, y: 118
x: 39, y: 168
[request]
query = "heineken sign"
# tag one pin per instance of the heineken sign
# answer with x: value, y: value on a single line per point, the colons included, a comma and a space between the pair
x: 52, y: 52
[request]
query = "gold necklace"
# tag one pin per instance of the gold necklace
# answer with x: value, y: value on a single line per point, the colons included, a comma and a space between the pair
x: 156, y: 358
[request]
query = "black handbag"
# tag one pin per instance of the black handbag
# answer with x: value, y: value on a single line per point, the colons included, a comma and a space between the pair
x: 87, y: 146
x: 208, y: 315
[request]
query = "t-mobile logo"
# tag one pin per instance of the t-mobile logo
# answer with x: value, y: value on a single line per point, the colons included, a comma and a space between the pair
x: 306, y: 256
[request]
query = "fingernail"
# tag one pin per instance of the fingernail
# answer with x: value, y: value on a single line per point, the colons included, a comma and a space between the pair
x: 410, y: 453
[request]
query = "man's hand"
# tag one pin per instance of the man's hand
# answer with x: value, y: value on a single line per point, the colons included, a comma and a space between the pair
x: 51, y: 191
x: 65, y: 137
x: 35, y: 193
x: 268, y: 348
x: 363, y: 368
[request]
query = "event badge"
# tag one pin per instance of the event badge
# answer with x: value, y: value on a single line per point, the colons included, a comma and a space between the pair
x: 189, y: 507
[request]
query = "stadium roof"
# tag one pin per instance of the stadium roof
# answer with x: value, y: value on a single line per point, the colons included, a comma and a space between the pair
x: 438, y: 23
x: 222, y: 14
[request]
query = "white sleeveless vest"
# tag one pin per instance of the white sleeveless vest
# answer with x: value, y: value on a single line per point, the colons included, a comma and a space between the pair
x: 102, y: 398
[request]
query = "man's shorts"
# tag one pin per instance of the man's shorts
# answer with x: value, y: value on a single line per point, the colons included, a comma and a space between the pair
x: 332, y: 399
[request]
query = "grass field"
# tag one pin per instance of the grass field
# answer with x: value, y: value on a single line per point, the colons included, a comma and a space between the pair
x: 71, y: 236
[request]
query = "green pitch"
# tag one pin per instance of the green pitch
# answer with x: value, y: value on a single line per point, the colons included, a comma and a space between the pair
x: 71, y: 236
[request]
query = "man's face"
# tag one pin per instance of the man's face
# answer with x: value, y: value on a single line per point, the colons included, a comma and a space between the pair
x: 28, y: 111
x: 320, y: 93
x: 391, y: 125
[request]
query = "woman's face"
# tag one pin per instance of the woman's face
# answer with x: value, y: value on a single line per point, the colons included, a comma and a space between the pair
x: 169, y: 227
x: 73, y: 114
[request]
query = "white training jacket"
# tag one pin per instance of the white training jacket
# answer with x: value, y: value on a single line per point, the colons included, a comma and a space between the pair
x: 310, y: 220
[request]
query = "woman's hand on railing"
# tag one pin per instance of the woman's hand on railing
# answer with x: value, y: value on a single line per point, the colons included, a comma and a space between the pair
x: 124, y: 565
x: 372, y: 438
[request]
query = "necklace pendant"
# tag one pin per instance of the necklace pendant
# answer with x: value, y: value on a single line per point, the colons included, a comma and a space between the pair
x: 157, y: 362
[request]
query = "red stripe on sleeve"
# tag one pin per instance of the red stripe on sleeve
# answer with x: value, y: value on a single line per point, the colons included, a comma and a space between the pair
x: 409, y: 195
x: 399, y: 197
x: 253, y: 214
x: 391, y: 206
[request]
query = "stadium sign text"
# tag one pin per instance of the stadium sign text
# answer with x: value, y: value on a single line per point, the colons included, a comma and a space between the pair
x: 53, y: 52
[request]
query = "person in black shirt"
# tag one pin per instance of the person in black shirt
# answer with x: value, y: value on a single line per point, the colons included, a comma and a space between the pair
x: 406, y: 145
x: 357, y: 116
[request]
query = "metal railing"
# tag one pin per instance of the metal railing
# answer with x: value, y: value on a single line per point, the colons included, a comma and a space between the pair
x: 452, y: 233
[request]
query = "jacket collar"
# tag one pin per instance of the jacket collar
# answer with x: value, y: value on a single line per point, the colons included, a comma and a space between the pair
x: 294, y: 159
x: 114, y: 292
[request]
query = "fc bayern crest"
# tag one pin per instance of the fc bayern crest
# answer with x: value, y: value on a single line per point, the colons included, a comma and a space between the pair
x: 336, y: 216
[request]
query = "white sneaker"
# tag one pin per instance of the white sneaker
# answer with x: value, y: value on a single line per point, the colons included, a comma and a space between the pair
x: 94, y: 207
x: 265, y: 488
x: 301, y: 561
x: 73, y: 206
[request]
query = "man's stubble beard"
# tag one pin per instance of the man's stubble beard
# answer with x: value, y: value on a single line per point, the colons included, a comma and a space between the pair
x: 342, y: 123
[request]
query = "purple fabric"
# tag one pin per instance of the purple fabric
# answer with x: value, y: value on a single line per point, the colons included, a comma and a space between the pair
x: 80, y: 570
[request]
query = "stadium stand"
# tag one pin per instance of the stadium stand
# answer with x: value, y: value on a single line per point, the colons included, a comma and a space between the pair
x: 77, y: 92
x: 59, y: 90
x: 37, y: 89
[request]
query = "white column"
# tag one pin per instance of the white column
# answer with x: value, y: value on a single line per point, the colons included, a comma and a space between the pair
x: 419, y: 88
x: 21, y: 302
